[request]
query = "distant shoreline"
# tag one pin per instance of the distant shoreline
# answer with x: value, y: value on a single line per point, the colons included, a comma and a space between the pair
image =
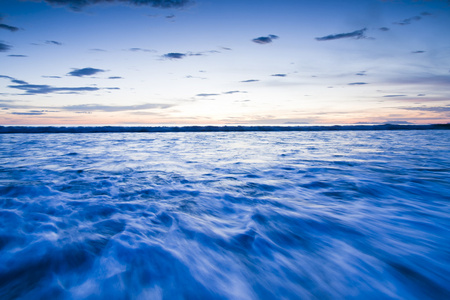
x: 225, y: 128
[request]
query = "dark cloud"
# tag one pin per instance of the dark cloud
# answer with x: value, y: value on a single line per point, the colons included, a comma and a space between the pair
x: 8, y: 27
x: 357, y: 34
x: 53, y: 43
x: 174, y: 55
x: 207, y: 95
x: 17, y: 55
x: 18, y: 81
x: 115, y: 77
x: 265, y: 39
x: 170, y: 16
x: 85, y: 72
x: 79, y: 4
x: 4, y: 47
x: 383, y: 29
x: 362, y: 73
x: 177, y: 55
x: 33, y: 89
x: 250, y: 80
x: 418, y: 52
x: 357, y: 83
x: 112, y: 108
x: 279, y: 75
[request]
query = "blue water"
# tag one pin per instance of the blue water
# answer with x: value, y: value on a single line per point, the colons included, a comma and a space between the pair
x: 225, y: 215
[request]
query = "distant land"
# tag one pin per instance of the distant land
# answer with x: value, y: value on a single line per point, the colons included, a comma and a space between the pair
x: 226, y: 128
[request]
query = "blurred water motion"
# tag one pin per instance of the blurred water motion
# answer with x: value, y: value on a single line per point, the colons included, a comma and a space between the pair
x: 228, y: 215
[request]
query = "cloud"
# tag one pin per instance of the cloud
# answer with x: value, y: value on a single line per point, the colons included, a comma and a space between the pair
x: 233, y: 92
x: 279, y: 75
x: 362, y: 73
x: 17, y: 55
x: 54, y: 77
x: 8, y: 27
x: 417, y: 52
x: 33, y: 89
x: 265, y: 39
x: 4, y: 47
x: 357, y: 34
x: 141, y: 50
x: 79, y: 4
x: 357, y: 83
x: 174, y: 55
x: 85, y: 72
x: 394, y: 96
x: 408, y: 21
x: 177, y: 55
x: 207, y: 95
x: 438, y: 109
x: 115, y: 77
x: 383, y: 29
x: 37, y: 113
x: 250, y: 80
x: 113, y: 108
x: 53, y: 43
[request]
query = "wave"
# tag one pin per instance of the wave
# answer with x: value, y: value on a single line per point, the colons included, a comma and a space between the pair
x: 103, y: 129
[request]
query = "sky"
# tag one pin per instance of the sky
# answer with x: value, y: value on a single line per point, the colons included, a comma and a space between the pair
x: 130, y: 62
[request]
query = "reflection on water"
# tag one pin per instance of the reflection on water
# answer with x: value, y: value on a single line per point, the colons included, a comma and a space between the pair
x: 253, y: 215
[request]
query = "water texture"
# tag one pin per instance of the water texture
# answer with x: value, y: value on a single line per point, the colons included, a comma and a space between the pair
x: 225, y: 215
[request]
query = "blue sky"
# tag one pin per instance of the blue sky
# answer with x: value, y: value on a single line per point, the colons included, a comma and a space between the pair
x: 224, y: 62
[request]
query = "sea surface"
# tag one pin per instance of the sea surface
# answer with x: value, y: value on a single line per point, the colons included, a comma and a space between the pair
x: 225, y: 215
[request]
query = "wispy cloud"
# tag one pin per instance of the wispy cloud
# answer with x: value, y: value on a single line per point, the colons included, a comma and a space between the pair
x: 53, y: 43
x: 37, y: 89
x: 383, y: 29
x: 265, y: 39
x: 234, y: 92
x: 17, y: 55
x: 8, y: 27
x: 438, y: 109
x: 115, y: 77
x: 178, y: 55
x: 141, y: 50
x: 279, y: 75
x: 418, y: 52
x: 206, y: 95
x: 250, y: 80
x: 113, y: 108
x: 394, y: 96
x: 33, y: 89
x: 357, y: 83
x: 4, y: 47
x: 79, y: 4
x: 408, y: 21
x: 357, y: 34
x: 85, y: 72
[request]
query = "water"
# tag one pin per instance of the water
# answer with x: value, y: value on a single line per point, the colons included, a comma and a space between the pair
x: 225, y: 215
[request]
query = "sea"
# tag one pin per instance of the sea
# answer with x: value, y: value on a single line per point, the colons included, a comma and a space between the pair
x: 328, y: 214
